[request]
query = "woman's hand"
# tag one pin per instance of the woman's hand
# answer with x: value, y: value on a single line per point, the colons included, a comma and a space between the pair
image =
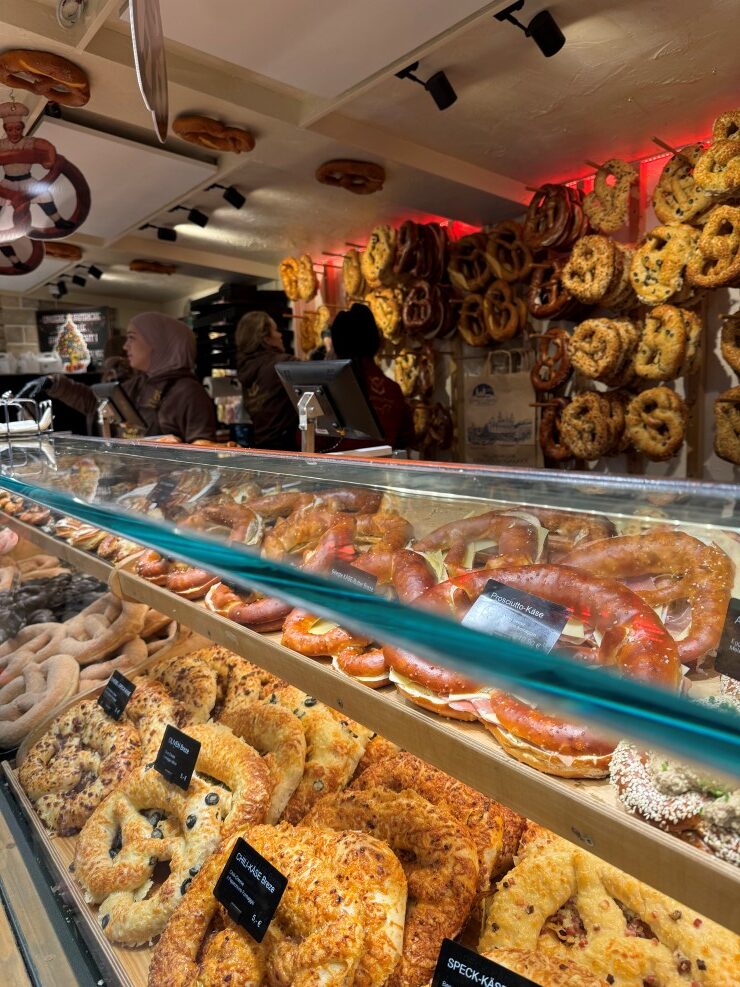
x: 172, y: 440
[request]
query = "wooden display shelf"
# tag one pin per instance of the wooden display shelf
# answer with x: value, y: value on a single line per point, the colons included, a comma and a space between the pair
x: 585, y: 812
x: 77, y: 557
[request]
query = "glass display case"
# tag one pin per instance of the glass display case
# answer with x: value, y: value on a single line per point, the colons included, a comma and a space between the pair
x: 563, y: 643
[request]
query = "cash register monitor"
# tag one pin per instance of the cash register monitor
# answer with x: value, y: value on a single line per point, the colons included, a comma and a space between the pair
x: 119, y: 407
x: 345, y: 411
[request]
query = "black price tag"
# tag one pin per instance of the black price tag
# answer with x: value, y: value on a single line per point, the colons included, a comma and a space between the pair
x: 250, y: 889
x: 115, y: 696
x: 727, y: 661
x: 163, y: 490
x: 512, y: 613
x: 350, y: 575
x: 461, y: 967
x: 177, y: 756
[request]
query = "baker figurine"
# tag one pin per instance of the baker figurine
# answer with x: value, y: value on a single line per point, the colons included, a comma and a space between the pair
x: 18, y: 187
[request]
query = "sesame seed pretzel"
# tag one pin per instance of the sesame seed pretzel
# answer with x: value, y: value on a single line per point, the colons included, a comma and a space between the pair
x: 677, y: 197
x: 595, y: 348
x: 590, y: 268
x: 717, y: 171
x: 584, y: 426
x: 659, y: 263
x: 716, y: 262
x: 662, y: 348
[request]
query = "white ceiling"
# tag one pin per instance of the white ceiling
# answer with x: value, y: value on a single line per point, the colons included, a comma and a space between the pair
x: 323, y: 47
x: 128, y: 181
x: 47, y: 269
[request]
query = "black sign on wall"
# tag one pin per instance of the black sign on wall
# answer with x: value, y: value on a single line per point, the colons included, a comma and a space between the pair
x: 93, y: 325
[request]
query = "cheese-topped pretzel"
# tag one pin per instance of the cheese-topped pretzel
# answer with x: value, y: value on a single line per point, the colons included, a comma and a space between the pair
x: 677, y: 197
x: 46, y: 74
x: 717, y: 171
x: 308, y: 284
x: 595, y: 348
x: 730, y: 341
x: 716, y: 262
x: 376, y: 260
x: 585, y: 426
x: 662, y: 348
x: 608, y: 204
x: 656, y: 422
x: 727, y: 425
x: 552, y: 365
x: 566, y: 903
x: 590, y: 268
x: 659, y: 263
x: 289, y: 277
x: 352, y: 278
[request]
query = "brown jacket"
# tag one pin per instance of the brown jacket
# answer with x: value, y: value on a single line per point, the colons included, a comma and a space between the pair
x: 274, y: 418
x: 172, y: 405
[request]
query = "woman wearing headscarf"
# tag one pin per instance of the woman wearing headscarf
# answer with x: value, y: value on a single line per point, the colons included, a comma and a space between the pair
x: 259, y: 346
x: 164, y: 389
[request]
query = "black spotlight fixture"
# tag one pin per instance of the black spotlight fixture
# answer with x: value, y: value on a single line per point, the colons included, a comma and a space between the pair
x: 542, y: 29
x: 163, y: 232
x: 194, y: 215
x: 438, y: 85
x: 95, y: 272
x: 232, y: 195
x: 79, y: 280
x: 59, y: 290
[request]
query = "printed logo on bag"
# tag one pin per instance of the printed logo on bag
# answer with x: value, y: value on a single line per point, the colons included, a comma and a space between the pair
x: 483, y: 391
x: 177, y: 756
x: 350, y: 575
x: 727, y: 661
x: 519, y: 616
x: 114, y: 698
x: 461, y: 967
x: 250, y: 889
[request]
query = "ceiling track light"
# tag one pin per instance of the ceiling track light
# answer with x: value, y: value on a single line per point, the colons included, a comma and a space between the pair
x: 79, y: 280
x: 542, y: 29
x: 231, y: 194
x: 92, y: 270
x: 194, y: 215
x: 163, y: 232
x: 438, y: 85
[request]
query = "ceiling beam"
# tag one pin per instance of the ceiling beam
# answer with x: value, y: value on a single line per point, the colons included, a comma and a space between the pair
x: 139, y: 246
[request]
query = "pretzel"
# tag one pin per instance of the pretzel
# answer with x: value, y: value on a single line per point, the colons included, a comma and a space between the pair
x: 83, y: 756
x: 659, y: 263
x: 307, y: 282
x: 608, y: 204
x: 289, y: 278
x: 502, y: 314
x: 572, y: 907
x: 716, y: 262
x: 376, y: 260
x: 620, y: 439
x: 590, y: 268
x: 662, y: 348
x: 552, y: 365
x: 730, y: 341
x: 468, y: 266
x: 554, y: 218
x: 360, y: 177
x: 45, y: 74
x: 471, y: 321
x: 213, y: 134
x: 656, y: 422
x: 677, y: 197
x: 421, y: 308
x: 441, y: 866
x: 29, y: 698
x: 547, y: 298
x: 62, y: 250
x: 352, y: 278
x: 717, y: 171
x: 551, y: 441
x: 440, y: 428
x: 157, y: 822
x: 727, y: 425
x: 585, y: 427
x: 413, y: 371
x: 595, y: 348
x: 128, y: 657
x: 151, y: 267
x: 694, y: 329
x: 385, y: 304
x: 508, y: 257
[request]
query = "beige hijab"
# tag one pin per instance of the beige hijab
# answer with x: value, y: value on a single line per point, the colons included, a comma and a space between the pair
x: 172, y: 343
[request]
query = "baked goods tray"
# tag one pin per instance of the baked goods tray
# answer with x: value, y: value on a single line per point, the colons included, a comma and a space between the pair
x: 585, y: 812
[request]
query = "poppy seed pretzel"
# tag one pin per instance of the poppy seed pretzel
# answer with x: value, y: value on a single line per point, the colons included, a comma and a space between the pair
x: 659, y: 263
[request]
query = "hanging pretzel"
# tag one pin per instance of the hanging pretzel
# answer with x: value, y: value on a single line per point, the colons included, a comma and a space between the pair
x: 552, y: 364
x: 45, y: 74
x: 360, y: 177
x: 550, y: 439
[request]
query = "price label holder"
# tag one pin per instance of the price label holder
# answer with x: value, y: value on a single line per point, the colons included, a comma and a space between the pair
x: 350, y: 575
x: 250, y: 889
x: 519, y: 616
x: 115, y: 696
x: 727, y: 661
x: 176, y: 758
x: 461, y: 967
x: 163, y: 490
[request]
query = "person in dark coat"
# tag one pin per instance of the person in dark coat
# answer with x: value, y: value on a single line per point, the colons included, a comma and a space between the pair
x: 163, y: 388
x: 259, y: 346
x: 355, y: 336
